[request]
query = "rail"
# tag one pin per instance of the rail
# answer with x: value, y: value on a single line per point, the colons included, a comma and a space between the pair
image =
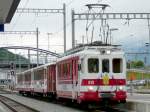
x: 15, y: 106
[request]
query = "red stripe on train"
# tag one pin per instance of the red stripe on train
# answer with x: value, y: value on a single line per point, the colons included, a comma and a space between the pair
x: 95, y: 82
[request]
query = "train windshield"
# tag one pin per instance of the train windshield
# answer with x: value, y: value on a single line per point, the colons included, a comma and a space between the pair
x: 93, y: 65
x: 117, y: 65
x: 105, y: 65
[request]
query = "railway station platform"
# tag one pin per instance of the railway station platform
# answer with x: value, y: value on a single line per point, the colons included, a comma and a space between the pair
x: 138, y: 102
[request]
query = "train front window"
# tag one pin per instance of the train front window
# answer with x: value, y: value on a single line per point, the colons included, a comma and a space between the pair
x: 105, y: 65
x: 93, y: 65
x: 117, y: 66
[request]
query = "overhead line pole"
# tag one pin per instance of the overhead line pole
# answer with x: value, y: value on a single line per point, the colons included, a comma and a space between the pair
x: 64, y: 19
x: 36, y: 11
x: 73, y: 28
x: 37, y: 45
x: 149, y: 31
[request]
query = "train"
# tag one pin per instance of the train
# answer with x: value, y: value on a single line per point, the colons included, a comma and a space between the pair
x: 89, y: 73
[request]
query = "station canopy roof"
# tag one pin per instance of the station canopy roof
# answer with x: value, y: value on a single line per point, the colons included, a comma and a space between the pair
x: 7, y: 10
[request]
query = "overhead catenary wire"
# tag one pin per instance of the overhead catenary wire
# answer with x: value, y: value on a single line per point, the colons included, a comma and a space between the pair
x: 103, y: 24
x: 68, y: 4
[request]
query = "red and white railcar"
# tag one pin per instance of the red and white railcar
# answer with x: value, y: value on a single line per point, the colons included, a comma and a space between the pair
x: 39, y: 80
x: 24, y: 81
x: 91, y: 74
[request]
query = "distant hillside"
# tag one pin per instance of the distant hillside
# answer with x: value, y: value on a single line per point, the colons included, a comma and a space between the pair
x: 6, y: 55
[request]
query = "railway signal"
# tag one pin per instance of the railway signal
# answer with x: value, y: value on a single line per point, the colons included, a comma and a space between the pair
x: 12, y: 66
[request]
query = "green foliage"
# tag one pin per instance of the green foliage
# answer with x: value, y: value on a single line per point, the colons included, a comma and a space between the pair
x: 135, y: 64
x: 139, y: 63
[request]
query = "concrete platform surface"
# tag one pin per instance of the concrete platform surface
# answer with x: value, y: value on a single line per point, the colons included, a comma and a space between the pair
x: 139, y: 97
x: 138, y: 102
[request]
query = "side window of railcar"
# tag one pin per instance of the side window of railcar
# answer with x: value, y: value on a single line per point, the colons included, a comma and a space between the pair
x: 39, y: 74
x: 70, y: 69
x: 82, y: 65
x: 117, y: 65
x: 59, y: 70
x: 19, y: 79
x: 93, y: 65
x: 105, y: 65
x: 65, y: 70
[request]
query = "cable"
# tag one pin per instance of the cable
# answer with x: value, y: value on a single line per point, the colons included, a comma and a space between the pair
x: 99, y: 1
x: 70, y: 3
x: 87, y: 26
x: 92, y: 34
x: 61, y: 29
x: 27, y: 1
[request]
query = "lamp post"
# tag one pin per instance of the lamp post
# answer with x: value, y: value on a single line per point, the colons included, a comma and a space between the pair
x: 147, y: 50
x: 111, y: 30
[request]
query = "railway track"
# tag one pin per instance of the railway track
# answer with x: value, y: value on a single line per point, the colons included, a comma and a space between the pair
x: 109, y: 109
x: 70, y: 105
x: 15, y: 106
x: 86, y: 109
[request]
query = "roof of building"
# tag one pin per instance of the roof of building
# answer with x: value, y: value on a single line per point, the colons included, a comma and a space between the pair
x: 7, y: 10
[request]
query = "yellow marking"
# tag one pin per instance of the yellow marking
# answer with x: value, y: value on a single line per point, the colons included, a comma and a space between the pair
x: 105, y: 79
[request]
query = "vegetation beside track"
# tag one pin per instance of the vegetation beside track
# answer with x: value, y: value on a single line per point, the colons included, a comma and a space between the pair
x: 138, y: 76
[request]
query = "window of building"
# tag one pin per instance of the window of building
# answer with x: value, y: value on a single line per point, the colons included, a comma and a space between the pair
x: 117, y: 65
x: 93, y: 65
x: 105, y: 65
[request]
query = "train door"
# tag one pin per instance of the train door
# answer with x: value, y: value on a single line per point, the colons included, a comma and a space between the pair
x: 51, y: 79
x: 74, y: 77
x: 45, y: 79
x: 48, y: 79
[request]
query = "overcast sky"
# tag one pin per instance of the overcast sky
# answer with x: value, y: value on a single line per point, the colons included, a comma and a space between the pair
x: 136, y: 31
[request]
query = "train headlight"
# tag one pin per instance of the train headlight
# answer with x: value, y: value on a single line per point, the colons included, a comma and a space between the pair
x: 90, y: 88
x: 108, y: 52
x: 120, y: 88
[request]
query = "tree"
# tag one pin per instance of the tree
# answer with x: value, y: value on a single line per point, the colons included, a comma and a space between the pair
x: 137, y: 64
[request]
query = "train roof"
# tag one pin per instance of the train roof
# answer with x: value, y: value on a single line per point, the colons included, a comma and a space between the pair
x: 42, y: 66
x: 95, y: 45
x: 39, y: 67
